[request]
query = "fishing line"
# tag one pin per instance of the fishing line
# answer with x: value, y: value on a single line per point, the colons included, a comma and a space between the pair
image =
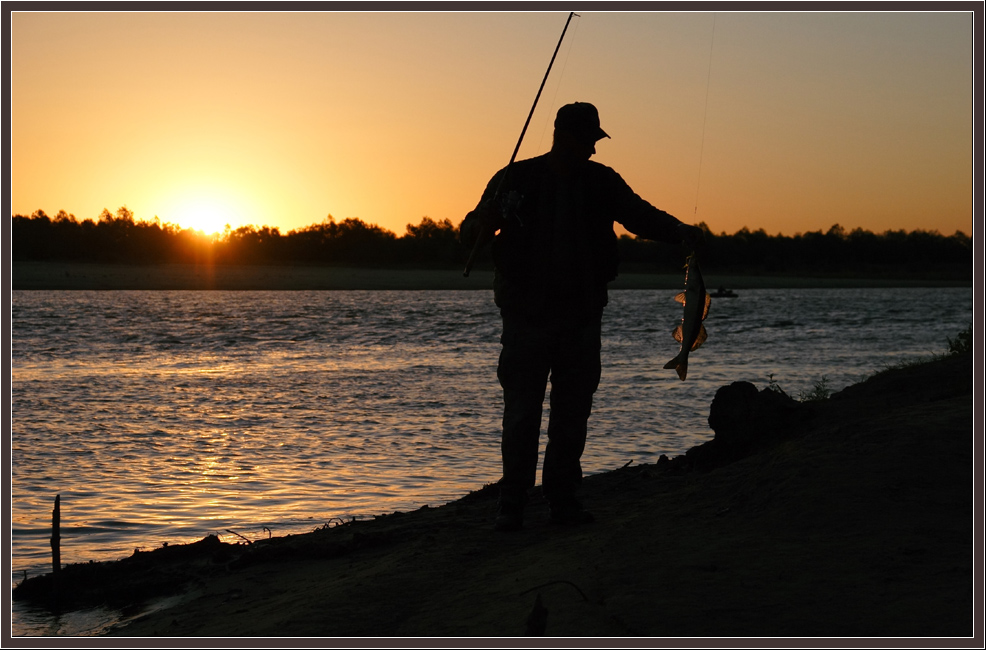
x: 561, y: 76
x: 705, y: 117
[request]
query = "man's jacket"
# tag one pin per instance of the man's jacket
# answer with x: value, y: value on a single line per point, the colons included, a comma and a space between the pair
x: 556, y: 249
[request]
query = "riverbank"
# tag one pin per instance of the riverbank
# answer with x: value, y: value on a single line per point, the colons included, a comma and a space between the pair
x: 83, y: 276
x: 856, y: 520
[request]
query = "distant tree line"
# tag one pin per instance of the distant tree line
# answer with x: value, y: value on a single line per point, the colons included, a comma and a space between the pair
x: 860, y: 253
x: 119, y: 238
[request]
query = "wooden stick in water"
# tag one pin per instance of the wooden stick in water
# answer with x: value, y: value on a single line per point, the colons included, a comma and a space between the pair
x: 56, y: 551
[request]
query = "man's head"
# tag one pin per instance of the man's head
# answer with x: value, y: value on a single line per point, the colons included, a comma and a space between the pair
x: 580, y: 119
x: 577, y: 129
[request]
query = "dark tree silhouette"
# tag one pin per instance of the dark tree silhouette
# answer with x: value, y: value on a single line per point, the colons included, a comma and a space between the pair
x: 120, y: 238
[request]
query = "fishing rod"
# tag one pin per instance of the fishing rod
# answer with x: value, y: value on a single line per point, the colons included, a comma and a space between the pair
x: 485, y: 234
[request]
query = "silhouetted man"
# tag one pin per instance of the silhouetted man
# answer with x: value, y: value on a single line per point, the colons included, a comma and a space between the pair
x: 554, y: 255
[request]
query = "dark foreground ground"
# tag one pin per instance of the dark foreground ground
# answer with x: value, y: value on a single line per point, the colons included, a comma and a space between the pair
x: 856, y: 520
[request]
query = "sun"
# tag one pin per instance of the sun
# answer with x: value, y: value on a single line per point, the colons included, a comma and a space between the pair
x: 207, y: 217
x: 206, y: 203
x: 206, y: 212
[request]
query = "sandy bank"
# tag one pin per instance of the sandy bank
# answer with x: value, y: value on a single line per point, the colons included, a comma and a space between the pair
x: 64, y: 275
x: 859, y: 523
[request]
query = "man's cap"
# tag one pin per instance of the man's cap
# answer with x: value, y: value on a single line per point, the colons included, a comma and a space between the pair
x: 581, y: 119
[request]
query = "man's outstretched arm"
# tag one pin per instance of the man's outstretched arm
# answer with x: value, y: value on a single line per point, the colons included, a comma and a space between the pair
x: 644, y: 220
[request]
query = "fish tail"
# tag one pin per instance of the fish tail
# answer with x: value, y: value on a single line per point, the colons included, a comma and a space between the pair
x: 680, y: 365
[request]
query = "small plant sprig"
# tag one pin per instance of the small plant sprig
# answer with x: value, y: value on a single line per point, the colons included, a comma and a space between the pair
x: 818, y: 393
x: 962, y: 343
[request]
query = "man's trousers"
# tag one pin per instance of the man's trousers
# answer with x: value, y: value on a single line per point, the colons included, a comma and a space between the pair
x: 567, y: 352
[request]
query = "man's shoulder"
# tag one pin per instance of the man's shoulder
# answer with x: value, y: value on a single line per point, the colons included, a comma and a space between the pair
x: 532, y: 163
x: 541, y: 162
x: 522, y: 166
x: 532, y: 168
x: 599, y: 169
x: 527, y: 169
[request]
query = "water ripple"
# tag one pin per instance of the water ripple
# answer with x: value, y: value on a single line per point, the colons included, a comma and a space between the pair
x: 165, y: 416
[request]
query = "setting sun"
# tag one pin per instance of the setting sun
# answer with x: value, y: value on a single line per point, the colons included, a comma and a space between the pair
x: 208, y: 211
x: 210, y: 218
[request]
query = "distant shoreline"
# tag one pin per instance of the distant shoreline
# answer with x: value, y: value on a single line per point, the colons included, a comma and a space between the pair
x: 85, y: 276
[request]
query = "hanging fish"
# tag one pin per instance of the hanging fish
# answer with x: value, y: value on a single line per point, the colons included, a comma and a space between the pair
x: 691, y: 331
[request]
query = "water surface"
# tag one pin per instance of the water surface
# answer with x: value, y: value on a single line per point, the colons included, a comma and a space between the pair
x: 164, y: 416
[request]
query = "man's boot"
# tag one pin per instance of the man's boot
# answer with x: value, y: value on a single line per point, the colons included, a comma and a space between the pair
x: 568, y: 511
x: 510, y: 510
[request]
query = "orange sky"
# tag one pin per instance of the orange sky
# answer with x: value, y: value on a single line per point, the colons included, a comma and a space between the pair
x: 801, y: 121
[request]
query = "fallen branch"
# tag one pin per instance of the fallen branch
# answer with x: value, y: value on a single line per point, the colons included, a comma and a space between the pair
x: 238, y: 535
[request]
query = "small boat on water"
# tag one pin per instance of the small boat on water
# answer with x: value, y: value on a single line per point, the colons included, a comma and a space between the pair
x: 723, y: 292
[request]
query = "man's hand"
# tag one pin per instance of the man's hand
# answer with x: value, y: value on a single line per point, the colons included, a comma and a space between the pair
x: 691, y: 236
x: 481, y: 223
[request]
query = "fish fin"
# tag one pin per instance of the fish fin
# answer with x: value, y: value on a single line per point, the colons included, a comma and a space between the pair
x: 708, y: 302
x: 700, y: 339
x: 676, y: 334
x: 680, y: 365
x: 680, y: 298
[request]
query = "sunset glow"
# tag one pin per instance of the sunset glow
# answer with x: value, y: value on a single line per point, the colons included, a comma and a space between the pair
x: 790, y: 122
x: 208, y: 218
x: 204, y: 210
